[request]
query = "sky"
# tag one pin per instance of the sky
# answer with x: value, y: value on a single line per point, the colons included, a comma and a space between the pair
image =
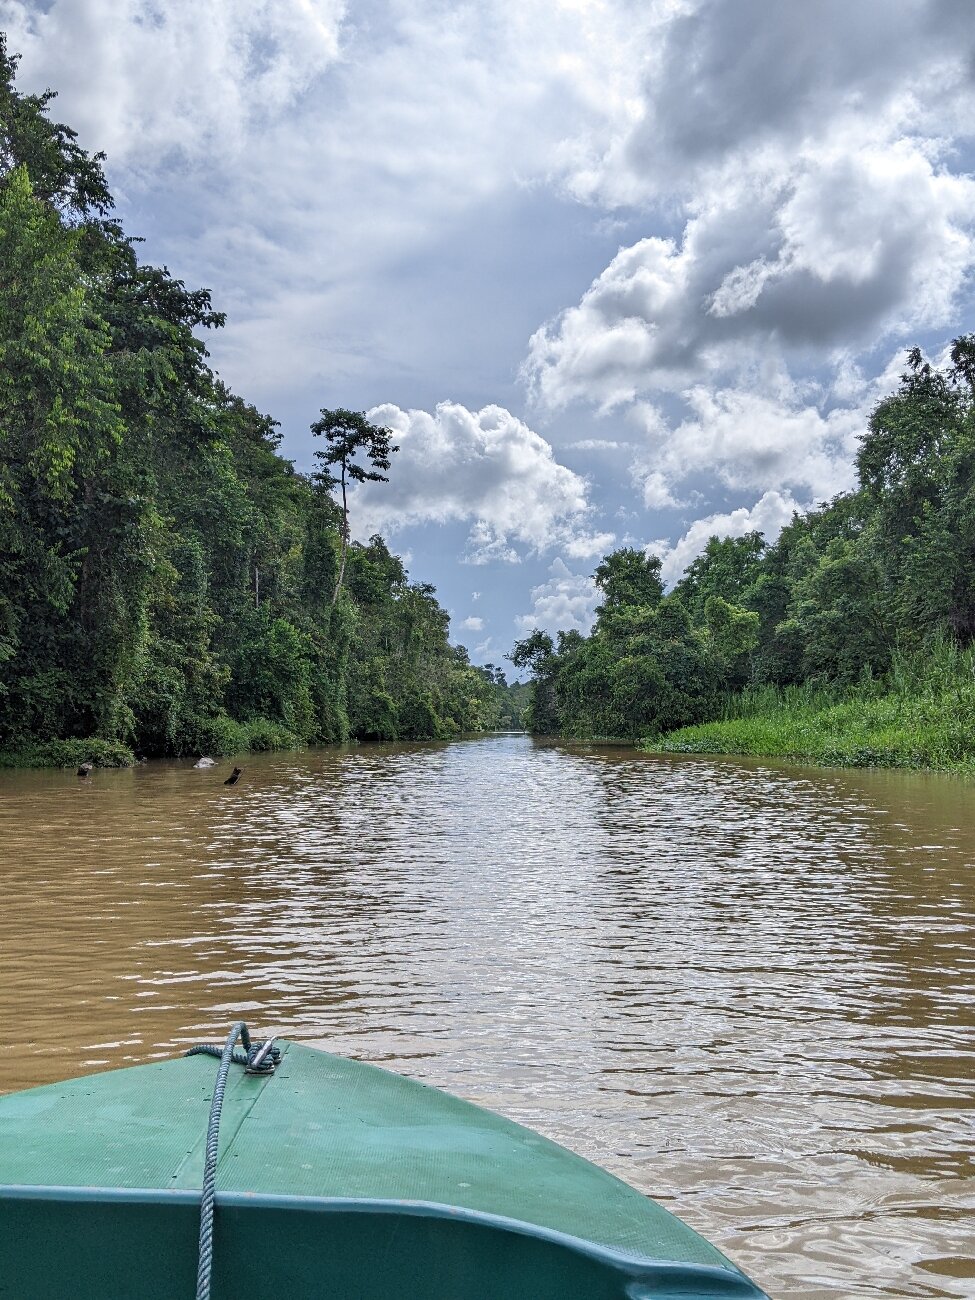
x: 616, y: 272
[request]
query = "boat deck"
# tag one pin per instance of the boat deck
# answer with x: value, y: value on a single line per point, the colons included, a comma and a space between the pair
x: 324, y: 1130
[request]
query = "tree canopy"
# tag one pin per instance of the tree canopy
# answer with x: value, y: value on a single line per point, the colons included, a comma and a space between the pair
x: 351, y: 440
x: 887, y: 568
x: 167, y: 579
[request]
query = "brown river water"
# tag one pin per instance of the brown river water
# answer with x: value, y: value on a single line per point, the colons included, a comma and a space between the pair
x: 747, y: 989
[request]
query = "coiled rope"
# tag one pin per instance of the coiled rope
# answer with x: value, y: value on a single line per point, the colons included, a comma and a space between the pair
x: 256, y: 1058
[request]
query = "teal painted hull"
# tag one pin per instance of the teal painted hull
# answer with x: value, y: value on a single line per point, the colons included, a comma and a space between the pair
x: 335, y: 1180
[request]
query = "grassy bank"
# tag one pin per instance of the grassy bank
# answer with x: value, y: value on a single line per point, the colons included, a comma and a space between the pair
x: 218, y: 737
x: 68, y: 753
x: 921, y: 716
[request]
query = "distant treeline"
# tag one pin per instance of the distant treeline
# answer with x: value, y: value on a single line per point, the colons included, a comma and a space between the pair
x: 167, y: 579
x: 871, y: 591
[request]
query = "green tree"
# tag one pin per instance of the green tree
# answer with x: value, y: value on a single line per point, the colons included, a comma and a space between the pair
x: 628, y: 577
x: 165, y: 575
x: 917, y: 468
x: 62, y: 174
x: 838, y: 614
x: 351, y: 438
x: 536, y: 653
x: 726, y: 568
x: 644, y: 669
x: 61, y: 458
x: 732, y: 635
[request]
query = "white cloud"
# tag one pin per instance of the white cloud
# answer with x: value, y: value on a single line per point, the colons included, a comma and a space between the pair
x: 181, y: 77
x: 754, y: 440
x: 595, y: 444
x: 769, y: 515
x: 778, y: 435
x: 313, y: 148
x: 823, y: 252
x: 566, y: 602
x: 819, y: 204
x: 726, y: 83
x: 485, y: 468
x: 306, y: 151
x: 657, y: 493
x: 472, y: 624
x: 586, y: 547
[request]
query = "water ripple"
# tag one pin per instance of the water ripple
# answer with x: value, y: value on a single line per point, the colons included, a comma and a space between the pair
x: 746, y: 989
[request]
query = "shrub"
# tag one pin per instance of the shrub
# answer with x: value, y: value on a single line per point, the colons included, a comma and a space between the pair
x: 221, y: 735
x: 69, y: 753
x: 262, y: 735
x: 215, y: 736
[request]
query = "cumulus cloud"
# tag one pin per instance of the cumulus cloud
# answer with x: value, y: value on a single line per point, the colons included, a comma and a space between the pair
x: 565, y: 602
x: 589, y: 546
x: 728, y: 83
x: 595, y: 444
x: 657, y: 493
x: 769, y: 516
x: 822, y: 206
x: 748, y: 439
x: 485, y: 468
x: 472, y: 624
x: 840, y: 247
x: 798, y: 437
x: 182, y: 77
x: 312, y: 149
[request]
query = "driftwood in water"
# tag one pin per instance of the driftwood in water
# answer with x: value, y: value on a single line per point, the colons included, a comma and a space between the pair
x: 234, y: 776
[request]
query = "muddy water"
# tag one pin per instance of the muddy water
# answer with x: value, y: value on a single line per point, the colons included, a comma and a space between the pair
x: 749, y: 990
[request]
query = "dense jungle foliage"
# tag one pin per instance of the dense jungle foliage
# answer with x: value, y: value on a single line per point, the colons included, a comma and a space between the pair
x: 869, y: 597
x: 167, y: 579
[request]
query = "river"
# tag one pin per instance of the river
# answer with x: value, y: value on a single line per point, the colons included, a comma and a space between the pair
x: 747, y: 989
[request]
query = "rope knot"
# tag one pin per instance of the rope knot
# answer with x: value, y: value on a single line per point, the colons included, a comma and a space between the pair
x: 259, y: 1057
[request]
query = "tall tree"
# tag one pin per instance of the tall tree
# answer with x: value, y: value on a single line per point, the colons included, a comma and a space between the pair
x: 917, y: 470
x: 628, y: 577
x: 60, y: 435
x: 351, y: 438
x: 62, y: 174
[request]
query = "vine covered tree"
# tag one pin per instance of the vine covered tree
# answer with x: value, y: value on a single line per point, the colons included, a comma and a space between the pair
x: 351, y: 439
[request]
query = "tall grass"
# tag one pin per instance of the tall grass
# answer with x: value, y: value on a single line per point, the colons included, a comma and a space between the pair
x: 921, y: 715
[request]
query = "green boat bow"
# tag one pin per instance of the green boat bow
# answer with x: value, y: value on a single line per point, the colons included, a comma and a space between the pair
x: 335, y: 1179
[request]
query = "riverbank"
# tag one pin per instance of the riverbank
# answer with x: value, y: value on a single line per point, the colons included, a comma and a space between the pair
x: 921, y: 719
x: 68, y: 753
x: 223, y: 737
